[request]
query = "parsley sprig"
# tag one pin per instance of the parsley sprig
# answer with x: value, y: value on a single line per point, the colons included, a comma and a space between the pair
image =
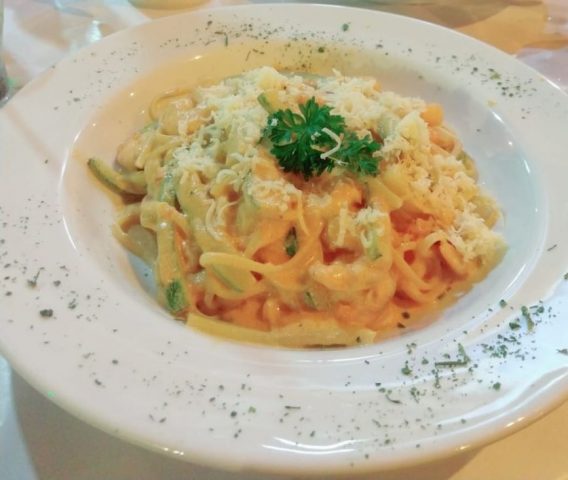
x: 314, y: 141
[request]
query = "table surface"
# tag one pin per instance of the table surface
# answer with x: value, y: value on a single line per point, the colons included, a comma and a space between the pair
x: 39, y: 441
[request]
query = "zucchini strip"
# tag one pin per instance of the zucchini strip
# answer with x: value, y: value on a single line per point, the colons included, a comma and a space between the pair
x: 191, y: 197
x: 124, y: 183
x: 169, y: 274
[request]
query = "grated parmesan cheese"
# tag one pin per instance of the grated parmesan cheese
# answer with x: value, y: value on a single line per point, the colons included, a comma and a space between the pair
x: 231, y: 129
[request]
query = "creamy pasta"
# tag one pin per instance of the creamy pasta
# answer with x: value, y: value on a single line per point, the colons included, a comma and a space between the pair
x: 245, y: 249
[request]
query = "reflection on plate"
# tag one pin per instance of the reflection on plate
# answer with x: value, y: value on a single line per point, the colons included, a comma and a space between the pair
x: 78, y: 326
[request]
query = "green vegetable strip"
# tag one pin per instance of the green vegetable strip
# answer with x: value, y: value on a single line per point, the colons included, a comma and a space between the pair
x: 170, y: 275
x: 175, y: 296
x: 167, y: 191
x: 265, y: 103
x: 309, y: 300
x: 168, y: 269
x: 155, y: 168
x: 192, y: 199
x: 153, y: 171
x: 291, y: 243
x: 129, y: 183
x: 169, y: 266
x: 373, y: 251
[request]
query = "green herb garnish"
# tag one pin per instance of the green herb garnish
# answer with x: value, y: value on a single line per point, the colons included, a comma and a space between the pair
x: 33, y: 282
x: 390, y: 399
x: 462, y: 360
x: 415, y: 393
x: 314, y: 141
x: 528, y: 318
x: 406, y: 370
x: 46, y: 313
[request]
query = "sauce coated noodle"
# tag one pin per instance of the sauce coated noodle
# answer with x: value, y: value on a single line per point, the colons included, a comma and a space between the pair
x: 338, y: 259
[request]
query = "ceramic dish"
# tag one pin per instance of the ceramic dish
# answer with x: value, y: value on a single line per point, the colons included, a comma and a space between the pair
x: 79, y: 322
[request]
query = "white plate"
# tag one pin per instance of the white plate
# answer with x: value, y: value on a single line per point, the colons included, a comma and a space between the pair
x: 111, y: 356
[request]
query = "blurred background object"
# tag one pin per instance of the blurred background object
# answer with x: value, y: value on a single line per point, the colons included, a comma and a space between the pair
x: 166, y: 3
x: 3, y: 74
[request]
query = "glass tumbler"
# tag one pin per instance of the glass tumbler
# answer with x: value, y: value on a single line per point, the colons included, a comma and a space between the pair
x: 3, y: 74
